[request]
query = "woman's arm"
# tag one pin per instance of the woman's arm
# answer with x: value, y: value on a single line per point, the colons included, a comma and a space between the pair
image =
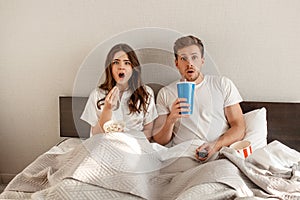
x: 110, y: 102
x: 104, y: 117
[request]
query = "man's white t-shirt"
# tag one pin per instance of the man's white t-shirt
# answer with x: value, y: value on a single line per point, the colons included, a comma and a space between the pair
x: 208, y: 121
x: 135, y: 121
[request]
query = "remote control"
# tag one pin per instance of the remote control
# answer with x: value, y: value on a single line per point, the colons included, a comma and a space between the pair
x: 203, y: 153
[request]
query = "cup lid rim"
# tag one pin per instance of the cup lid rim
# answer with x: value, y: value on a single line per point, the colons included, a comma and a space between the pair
x: 190, y: 82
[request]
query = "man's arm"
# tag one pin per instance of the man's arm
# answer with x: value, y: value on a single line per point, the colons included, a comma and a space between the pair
x: 164, y: 124
x: 237, y: 128
x: 148, y: 130
x: 235, y: 132
x: 162, y: 131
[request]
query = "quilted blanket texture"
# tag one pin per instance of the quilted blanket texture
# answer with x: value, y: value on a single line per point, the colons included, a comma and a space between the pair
x: 125, y: 166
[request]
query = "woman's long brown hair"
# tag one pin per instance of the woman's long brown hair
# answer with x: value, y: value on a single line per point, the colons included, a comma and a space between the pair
x: 139, y: 99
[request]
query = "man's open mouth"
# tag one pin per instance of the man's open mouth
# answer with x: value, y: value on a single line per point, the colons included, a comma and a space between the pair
x: 121, y: 75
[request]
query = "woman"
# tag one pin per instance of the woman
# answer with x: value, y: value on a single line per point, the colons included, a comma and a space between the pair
x: 122, y: 95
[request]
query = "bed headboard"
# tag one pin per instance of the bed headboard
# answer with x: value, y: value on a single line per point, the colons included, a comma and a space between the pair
x: 70, y: 110
x: 282, y: 119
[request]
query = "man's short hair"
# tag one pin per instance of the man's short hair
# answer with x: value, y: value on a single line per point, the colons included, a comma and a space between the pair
x: 188, y: 41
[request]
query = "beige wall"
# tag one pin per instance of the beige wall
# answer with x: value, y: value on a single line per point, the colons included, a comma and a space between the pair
x: 43, y: 43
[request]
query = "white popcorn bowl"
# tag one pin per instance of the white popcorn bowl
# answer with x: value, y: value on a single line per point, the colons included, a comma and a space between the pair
x: 114, y: 126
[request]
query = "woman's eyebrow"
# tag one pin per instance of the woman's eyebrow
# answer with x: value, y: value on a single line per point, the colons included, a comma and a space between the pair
x: 116, y: 59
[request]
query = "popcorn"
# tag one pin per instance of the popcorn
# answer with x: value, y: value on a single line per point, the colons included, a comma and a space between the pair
x: 113, y: 126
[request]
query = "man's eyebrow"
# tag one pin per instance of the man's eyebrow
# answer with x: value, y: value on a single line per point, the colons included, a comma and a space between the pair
x: 194, y: 53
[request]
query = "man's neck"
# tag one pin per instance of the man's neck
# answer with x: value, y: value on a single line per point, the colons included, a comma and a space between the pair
x: 199, y: 79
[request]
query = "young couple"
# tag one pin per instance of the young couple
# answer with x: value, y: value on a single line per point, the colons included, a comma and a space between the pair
x: 217, y: 117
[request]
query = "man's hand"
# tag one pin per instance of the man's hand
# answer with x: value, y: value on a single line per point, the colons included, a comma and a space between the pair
x: 210, y: 148
x: 164, y: 124
x: 177, y: 108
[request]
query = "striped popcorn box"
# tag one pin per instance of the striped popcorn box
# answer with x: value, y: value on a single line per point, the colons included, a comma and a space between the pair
x: 243, y: 148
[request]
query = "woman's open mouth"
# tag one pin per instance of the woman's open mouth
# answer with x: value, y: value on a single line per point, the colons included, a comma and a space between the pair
x: 121, y: 75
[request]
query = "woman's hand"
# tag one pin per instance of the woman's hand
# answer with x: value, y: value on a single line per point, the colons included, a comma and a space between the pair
x: 111, y: 100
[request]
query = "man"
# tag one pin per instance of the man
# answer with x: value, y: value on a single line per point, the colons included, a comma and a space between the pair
x: 217, y: 117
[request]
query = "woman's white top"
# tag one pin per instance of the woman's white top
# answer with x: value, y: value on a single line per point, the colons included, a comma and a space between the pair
x: 134, y: 121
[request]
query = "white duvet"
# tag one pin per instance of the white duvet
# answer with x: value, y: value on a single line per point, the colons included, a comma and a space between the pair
x: 122, y: 166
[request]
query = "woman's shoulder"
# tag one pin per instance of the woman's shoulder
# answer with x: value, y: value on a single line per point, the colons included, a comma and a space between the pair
x: 97, y: 92
x: 148, y: 89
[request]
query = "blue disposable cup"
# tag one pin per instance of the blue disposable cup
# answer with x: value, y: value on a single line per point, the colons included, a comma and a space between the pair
x: 186, y: 90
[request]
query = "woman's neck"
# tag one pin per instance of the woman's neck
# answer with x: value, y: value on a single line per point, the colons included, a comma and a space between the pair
x: 122, y: 87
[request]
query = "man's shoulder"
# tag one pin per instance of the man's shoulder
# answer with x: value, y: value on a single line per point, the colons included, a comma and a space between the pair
x: 214, y: 77
x: 217, y: 79
x: 168, y: 90
x: 170, y: 87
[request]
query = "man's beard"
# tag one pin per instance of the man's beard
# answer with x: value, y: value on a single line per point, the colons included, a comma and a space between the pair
x: 193, y: 78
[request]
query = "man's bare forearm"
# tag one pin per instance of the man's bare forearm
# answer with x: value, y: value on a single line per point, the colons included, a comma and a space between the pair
x: 233, y: 134
x: 164, y: 135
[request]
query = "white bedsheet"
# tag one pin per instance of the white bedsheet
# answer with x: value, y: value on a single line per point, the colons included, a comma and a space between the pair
x: 127, y: 167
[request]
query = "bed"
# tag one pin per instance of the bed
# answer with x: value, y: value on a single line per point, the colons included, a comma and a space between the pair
x: 122, y: 166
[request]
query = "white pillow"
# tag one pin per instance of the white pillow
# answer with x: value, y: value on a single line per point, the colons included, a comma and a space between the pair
x: 256, y: 128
